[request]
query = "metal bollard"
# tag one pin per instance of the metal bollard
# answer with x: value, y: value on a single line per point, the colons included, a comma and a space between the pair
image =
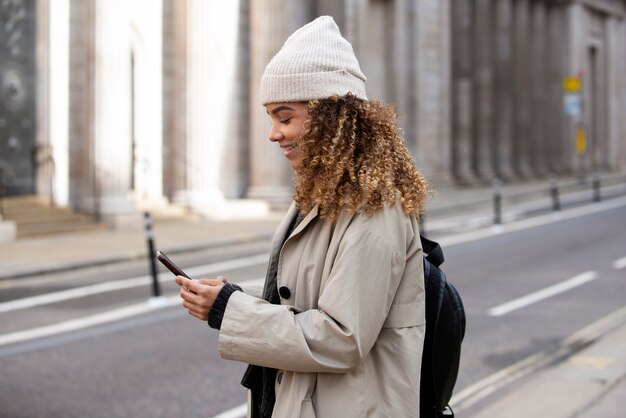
x: 554, y: 193
x: 2, y: 191
x: 156, y: 290
x: 497, y: 200
x: 595, y: 183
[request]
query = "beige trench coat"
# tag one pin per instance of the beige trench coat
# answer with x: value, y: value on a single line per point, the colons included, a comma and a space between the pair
x: 348, y: 340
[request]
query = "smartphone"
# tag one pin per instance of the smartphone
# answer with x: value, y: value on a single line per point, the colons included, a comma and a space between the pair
x: 170, y: 265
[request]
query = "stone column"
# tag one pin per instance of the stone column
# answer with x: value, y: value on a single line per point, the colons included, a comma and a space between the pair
x: 112, y: 113
x: 503, y: 97
x: 174, y: 96
x: 381, y: 59
x: 576, y: 50
x: 350, y: 15
x: 537, y: 65
x: 554, y: 88
x: 83, y: 183
x: 483, y: 150
x: 239, y: 187
x: 598, y: 83
x: 403, y: 89
x: 334, y: 8
x: 462, y: 17
x: 146, y: 22
x: 212, y: 151
x: 433, y: 89
x: 521, y: 103
x: 58, y: 107
x: 616, y: 77
x: 620, y: 97
x: 271, y: 174
x: 356, y: 24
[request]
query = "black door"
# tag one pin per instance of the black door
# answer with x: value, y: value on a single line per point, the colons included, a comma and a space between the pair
x: 18, y: 156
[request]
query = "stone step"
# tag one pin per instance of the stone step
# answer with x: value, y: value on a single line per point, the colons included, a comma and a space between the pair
x: 12, y: 202
x: 43, y: 216
x: 34, y: 216
x: 24, y: 231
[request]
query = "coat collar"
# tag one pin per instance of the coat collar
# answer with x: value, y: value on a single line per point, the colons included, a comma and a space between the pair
x: 290, y: 217
x: 307, y: 219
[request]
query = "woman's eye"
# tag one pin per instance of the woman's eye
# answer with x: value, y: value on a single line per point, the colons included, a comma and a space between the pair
x: 285, y: 121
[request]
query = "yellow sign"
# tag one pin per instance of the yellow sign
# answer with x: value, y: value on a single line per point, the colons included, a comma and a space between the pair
x: 581, y: 140
x: 571, y: 84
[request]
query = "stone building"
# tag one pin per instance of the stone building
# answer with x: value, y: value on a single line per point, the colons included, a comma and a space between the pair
x: 110, y: 106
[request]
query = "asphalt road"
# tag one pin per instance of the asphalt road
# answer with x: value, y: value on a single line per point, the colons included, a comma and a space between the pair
x: 160, y: 362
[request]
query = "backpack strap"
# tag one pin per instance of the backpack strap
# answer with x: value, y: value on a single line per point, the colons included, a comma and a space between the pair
x: 434, y: 251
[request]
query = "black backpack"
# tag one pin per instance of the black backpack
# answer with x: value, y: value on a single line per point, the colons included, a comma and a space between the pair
x: 445, y: 329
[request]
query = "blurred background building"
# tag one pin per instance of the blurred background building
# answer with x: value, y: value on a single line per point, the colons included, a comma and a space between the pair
x: 110, y: 107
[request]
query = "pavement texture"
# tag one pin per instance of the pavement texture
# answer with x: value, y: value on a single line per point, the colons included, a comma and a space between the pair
x: 589, y: 382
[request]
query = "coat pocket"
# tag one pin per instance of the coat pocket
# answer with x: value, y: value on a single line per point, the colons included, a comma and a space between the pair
x: 405, y: 315
x: 295, y: 395
x: 306, y: 409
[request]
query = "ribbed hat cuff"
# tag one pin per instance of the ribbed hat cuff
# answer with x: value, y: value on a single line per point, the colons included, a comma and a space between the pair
x: 310, y: 86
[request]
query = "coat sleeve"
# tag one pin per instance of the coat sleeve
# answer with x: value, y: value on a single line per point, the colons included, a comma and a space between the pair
x: 352, y: 308
x: 253, y: 289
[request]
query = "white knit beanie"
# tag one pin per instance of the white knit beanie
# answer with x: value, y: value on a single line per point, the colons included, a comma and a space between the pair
x: 315, y: 62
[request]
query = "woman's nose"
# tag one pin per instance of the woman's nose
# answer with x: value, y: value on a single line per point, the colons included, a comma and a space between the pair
x: 275, y: 135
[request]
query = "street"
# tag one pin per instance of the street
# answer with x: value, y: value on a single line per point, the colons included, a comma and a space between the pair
x: 86, y: 343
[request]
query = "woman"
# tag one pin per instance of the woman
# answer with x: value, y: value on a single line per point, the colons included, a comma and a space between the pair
x: 339, y: 327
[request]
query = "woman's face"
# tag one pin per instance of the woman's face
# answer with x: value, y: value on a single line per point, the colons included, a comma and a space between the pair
x: 287, y: 126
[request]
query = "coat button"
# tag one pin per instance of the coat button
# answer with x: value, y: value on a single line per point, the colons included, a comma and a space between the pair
x: 284, y: 292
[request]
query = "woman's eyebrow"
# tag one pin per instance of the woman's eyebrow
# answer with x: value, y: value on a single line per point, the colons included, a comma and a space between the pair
x: 280, y: 108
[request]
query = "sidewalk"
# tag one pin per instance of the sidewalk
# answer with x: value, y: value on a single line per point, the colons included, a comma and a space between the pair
x: 589, y: 383
x: 70, y: 251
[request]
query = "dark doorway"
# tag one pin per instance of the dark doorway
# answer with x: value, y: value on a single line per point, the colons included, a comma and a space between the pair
x: 18, y: 152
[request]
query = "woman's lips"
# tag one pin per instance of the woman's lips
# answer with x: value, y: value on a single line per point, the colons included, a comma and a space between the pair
x: 289, y: 150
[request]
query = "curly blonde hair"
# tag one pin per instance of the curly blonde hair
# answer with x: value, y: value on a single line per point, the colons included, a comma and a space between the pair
x: 353, y: 157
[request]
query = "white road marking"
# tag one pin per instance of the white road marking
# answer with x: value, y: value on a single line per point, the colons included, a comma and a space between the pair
x: 239, y: 411
x: 111, y: 286
x: 80, y: 323
x: 75, y: 293
x: 543, y: 294
x: 96, y: 319
x: 619, y: 264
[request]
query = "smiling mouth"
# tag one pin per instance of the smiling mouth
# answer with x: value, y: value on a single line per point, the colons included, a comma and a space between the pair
x: 289, y: 147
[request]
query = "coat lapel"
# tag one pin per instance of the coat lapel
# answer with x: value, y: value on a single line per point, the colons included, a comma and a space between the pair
x: 283, y: 229
x: 307, y: 220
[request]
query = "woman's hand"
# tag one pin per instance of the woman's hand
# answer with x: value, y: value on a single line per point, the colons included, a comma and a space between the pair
x: 199, y: 295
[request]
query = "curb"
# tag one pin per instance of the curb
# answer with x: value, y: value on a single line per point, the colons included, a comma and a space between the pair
x: 139, y: 255
x: 575, y: 375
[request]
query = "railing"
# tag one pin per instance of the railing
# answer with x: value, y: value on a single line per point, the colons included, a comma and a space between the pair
x: 39, y: 161
x: 552, y: 197
x: 589, y: 190
x: 558, y: 192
